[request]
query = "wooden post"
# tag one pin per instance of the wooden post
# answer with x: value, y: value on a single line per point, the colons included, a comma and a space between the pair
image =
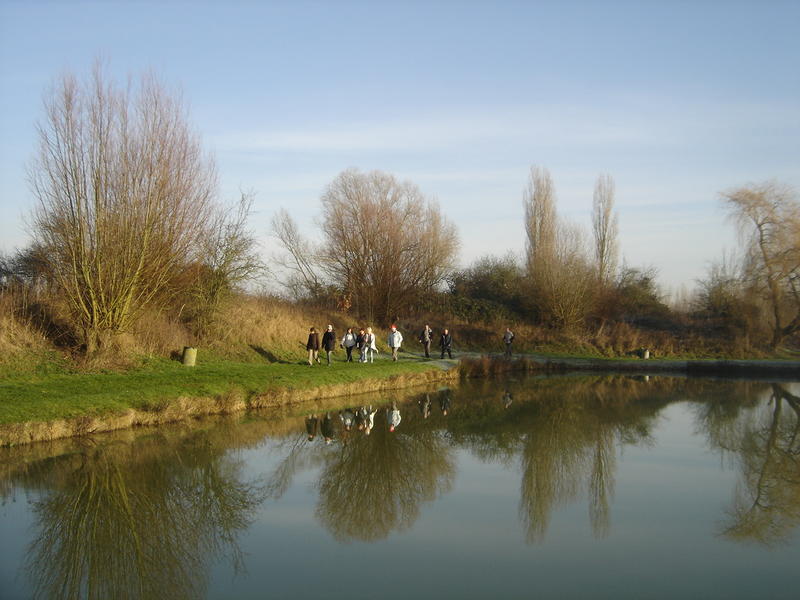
x: 189, y: 356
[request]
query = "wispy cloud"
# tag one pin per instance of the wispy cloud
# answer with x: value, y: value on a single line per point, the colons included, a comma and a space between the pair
x: 612, y: 125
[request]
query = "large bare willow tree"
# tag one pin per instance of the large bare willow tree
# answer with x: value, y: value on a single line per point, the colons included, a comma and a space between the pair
x: 383, y: 244
x: 124, y: 192
x: 768, y: 217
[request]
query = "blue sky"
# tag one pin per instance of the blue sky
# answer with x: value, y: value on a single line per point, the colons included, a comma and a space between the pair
x: 676, y: 100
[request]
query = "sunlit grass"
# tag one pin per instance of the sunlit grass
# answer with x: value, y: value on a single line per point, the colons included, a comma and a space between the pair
x: 42, y: 396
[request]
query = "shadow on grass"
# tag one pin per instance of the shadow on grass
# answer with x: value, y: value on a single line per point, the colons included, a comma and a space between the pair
x: 269, y: 356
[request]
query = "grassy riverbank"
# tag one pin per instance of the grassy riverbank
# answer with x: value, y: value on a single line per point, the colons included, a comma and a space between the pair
x: 44, y: 396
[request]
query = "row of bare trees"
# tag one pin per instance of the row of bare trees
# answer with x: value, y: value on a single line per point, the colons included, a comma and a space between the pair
x: 563, y: 275
x: 128, y: 220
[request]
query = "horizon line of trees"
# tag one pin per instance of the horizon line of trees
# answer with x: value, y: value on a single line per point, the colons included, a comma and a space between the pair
x: 128, y: 219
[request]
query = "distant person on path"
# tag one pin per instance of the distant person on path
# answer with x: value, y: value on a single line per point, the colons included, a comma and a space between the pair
x: 446, y: 342
x: 326, y: 427
x: 311, y: 426
x: 395, y: 340
x: 425, y: 339
x: 369, y: 345
x: 393, y: 417
x: 312, y: 346
x: 361, y: 345
x: 329, y: 342
x: 508, y: 398
x: 348, y: 343
x: 508, y: 338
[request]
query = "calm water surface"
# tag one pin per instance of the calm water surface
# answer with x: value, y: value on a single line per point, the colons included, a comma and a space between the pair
x: 560, y: 487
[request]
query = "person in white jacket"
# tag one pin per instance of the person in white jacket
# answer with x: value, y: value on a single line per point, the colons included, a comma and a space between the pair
x: 394, y: 341
x: 369, y: 345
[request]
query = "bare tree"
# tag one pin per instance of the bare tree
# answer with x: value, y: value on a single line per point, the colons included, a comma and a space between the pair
x: 604, y: 228
x: 383, y: 243
x: 768, y: 217
x: 564, y: 284
x: 229, y: 258
x: 300, y: 259
x: 124, y: 192
x: 540, y: 218
x: 558, y: 267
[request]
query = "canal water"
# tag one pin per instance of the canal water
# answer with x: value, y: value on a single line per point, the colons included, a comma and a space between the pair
x: 550, y: 487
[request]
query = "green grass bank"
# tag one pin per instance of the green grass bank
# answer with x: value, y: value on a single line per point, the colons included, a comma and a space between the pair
x: 50, y: 405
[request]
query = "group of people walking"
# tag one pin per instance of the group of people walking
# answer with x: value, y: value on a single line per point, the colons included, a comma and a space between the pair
x: 365, y: 342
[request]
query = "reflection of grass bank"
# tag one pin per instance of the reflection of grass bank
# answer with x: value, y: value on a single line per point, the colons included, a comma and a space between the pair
x: 485, y: 365
x: 40, y: 407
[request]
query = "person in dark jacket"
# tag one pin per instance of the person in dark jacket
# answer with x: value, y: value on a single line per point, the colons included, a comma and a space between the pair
x: 362, y: 350
x: 329, y: 343
x: 445, y: 343
x: 312, y: 346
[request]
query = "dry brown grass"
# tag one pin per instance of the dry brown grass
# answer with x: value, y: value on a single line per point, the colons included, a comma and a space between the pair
x: 254, y: 328
x: 19, y: 335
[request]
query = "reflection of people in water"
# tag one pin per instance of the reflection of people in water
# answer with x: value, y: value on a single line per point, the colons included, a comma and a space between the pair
x: 393, y: 417
x: 311, y: 426
x: 425, y: 406
x: 508, y: 398
x: 444, y: 402
x: 369, y: 422
x: 326, y: 427
x: 347, y: 416
x: 361, y: 418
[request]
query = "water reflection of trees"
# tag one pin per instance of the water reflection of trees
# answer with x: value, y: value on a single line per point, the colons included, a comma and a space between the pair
x: 376, y: 484
x: 565, y: 433
x: 760, y: 433
x: 139, y: 520
x: 370, y: 485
